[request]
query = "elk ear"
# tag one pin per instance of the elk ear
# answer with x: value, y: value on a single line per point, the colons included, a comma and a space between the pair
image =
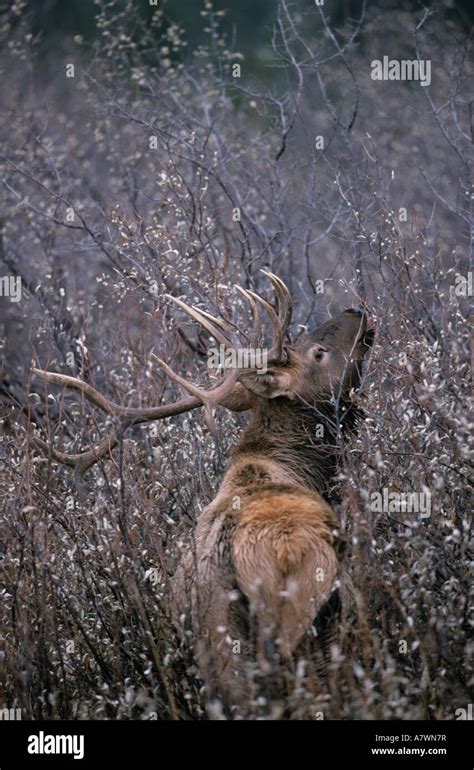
x: 271, y: 384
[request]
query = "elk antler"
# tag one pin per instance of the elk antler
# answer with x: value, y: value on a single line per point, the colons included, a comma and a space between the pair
x: 281, y: 324
x: 229, y: 392
x: 125, y: 416
x: 226, y: 335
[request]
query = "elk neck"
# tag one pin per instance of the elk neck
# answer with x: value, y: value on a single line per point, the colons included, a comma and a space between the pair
x: 303, y: 439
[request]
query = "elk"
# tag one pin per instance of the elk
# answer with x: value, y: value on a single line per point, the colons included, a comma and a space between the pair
x: 261, y: 563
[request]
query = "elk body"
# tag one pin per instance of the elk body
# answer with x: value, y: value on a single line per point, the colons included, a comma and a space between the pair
x: 261, y: 562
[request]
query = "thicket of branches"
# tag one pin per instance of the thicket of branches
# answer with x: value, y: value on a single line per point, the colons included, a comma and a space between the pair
x: 156, y: 169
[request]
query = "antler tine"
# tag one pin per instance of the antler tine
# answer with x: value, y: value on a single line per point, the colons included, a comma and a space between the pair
x: 218, y: 321
x: 281, y: 319
x: 275, y: 354
x: 81, y: 461
x: 87, y: 390
x: 263, y: 302
x: 256, y: 334
x: 208, y: 398
x: 284, y: 300
x: 211, y: 324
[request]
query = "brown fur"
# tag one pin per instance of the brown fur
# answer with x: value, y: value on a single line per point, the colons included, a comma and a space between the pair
x: 284, y: 561
x: 262, y: 553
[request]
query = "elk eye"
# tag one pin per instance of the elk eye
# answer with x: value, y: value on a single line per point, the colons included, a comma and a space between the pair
x: 319, y: 353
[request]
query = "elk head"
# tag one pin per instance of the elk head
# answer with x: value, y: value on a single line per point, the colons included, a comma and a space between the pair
x: 323, y: 365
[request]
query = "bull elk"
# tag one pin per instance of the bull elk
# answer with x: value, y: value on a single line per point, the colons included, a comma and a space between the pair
x: 261, y: 562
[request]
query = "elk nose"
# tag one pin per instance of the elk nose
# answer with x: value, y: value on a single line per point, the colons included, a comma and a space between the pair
x: 358, y: 310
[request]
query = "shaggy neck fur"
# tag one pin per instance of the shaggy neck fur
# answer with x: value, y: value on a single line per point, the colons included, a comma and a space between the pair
x: 290, y: 433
